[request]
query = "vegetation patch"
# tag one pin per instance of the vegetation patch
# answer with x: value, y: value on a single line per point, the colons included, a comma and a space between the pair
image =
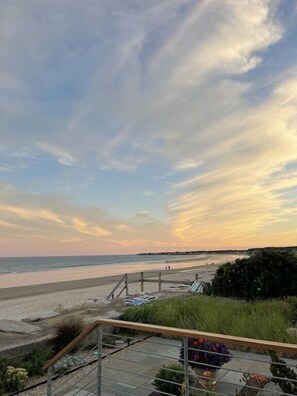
x: 268, y: 273
x: 65, y: 332
x: 170, y: 379
x: 267, y: 320
x: 14, y: 373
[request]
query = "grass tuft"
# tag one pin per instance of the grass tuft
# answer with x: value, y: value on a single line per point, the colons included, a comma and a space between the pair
x: 65, y: 332
x: 266, y: 320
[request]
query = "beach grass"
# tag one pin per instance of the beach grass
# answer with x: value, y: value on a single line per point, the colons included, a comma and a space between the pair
x: 266, y: 320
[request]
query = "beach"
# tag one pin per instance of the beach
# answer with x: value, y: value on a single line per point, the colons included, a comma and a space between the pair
x: 47, y: 296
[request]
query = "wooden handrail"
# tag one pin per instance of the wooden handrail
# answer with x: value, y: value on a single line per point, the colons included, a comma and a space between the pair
x: 88, y: 330
x: 232, y: 340
x: 116, y: 286
x: 176, y: 332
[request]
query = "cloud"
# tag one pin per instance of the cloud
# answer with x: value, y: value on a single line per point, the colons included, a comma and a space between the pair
x: 145, y: 104
x: 5, y: 168
x: 85, y: 228
x: 188, y: 164
x: 236, y: 201
x: 181, y: 89
x: 69, y: 229
x: 62, y: 156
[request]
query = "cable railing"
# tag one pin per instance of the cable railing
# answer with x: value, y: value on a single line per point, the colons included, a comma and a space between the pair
x: 113, y: 357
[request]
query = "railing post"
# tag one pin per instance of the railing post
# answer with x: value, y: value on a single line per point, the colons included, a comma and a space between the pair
x: 127, y: 284
x: 186, y: 366
x: 49, y: 381
x: 141, y: 280
x: 99, y: 360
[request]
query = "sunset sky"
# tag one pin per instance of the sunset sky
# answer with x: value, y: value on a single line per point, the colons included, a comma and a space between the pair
x: 147, y: 125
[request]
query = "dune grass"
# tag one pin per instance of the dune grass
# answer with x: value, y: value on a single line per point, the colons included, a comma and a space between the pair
x: 266, y: 320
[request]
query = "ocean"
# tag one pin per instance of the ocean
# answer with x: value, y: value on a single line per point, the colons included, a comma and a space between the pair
x: 35, y: 264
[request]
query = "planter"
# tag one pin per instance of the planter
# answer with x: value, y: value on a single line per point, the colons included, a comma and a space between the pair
x: 207, y: 383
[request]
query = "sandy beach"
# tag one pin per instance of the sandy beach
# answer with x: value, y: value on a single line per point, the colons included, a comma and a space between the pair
x: 82, y: 291
x: 70, y: 287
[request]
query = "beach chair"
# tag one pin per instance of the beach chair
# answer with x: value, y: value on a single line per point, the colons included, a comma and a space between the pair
x: 197, y: 287
x: 146, y: 299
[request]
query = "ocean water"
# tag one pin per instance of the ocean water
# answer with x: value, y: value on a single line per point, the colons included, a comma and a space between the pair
x: 34, y: 264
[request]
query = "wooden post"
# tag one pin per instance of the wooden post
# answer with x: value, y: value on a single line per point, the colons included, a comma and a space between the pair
x: 99, y: 360
x: 141, y: 280
x: 127, y: 284
x: 160, y: 281
x: 196, y: 276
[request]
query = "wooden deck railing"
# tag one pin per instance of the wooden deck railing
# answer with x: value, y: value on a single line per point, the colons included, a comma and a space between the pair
x: 290, y: 349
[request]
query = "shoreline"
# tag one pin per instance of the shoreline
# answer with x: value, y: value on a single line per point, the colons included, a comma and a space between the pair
x: 100, y: 264
x: 11, y: 293
x: 89, y: 274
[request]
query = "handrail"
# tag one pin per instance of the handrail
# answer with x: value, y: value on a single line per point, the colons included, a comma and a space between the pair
x: 116, y: 286
x: 177, y: 332
x: 88, y: 330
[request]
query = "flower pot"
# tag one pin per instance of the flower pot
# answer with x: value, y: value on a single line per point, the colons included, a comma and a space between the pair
x: 206, y: 381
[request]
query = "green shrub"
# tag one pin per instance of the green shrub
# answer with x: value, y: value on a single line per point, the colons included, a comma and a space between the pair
x: 269, y: 273
x: 2, y: 385
x: 173, y: 373
x: 284, y: 372
x: 12, y: 379
x: 15, y: 379
x: 34, y: 361
x: 65, y: 332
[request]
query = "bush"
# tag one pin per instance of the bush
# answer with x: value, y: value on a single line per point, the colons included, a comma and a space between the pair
x: 269, y: 273
x: 173, y: 373
x: 12, y: 379
x: 2, y: 385
x: 65, y: 332
x: 282, y: 371
x: 15, y: 379
x: 34, y: 361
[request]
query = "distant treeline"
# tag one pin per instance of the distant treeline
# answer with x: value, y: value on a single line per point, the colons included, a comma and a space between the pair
x: 228, y: 251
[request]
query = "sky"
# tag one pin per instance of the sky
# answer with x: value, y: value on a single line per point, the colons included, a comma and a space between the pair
x: 147, y: 125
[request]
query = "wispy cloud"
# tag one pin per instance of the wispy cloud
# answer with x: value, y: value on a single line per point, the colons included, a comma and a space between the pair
x: 188, y: 164
x: 61, y: 155
x: 184, y: 90
x: 236, y: 200
x: 25, y: 217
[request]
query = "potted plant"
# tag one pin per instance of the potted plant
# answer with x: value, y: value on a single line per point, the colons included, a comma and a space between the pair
x: 205, y: 357
x: 170, y: 379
